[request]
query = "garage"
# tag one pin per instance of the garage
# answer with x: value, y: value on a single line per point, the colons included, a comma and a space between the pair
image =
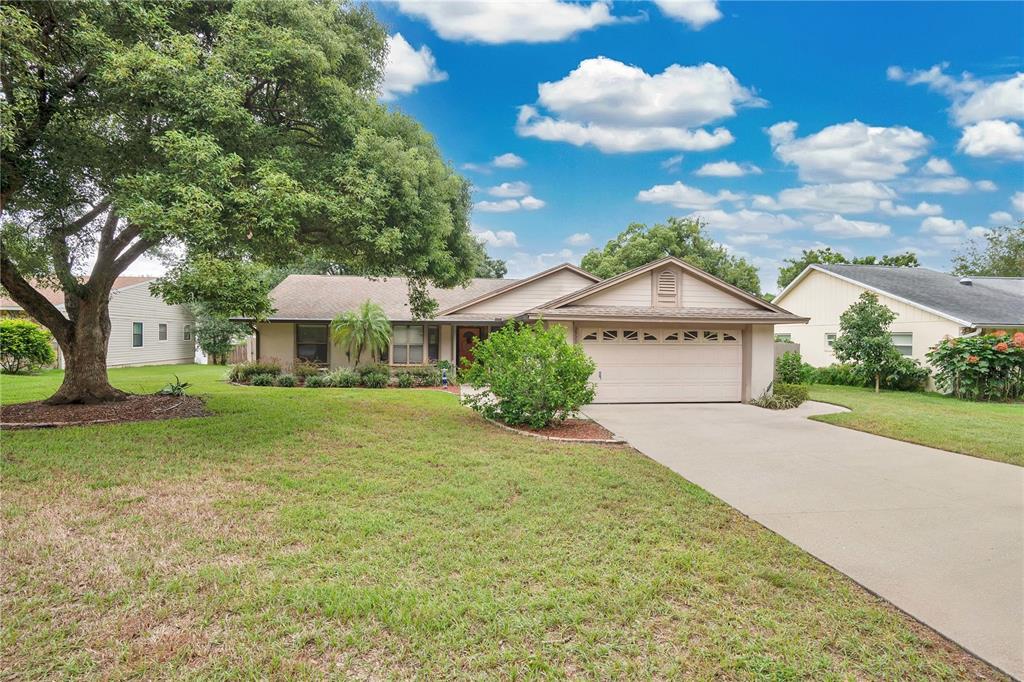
x: 665, y: 364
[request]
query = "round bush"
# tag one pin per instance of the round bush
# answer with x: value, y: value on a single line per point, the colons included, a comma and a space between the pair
x: 529, y: 374
x: 262, y: 380
x: 344, y: 378
x: 24, y: 347
x: 405, y: 380
x: 790, y: 369
x: 376, y: 379
x: 317, y: 381
x: 285, y: 381
x: 983, y: 367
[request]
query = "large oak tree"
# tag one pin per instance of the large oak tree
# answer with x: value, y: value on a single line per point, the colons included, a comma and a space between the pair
x: 223, y: 135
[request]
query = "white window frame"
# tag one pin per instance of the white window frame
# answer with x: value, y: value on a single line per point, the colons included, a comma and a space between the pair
x: 909, y: 346
x: 142, y: 335
x: 162, y: 331
x: 425, y: 345
x: 186, y: 333
x: 829, y: 342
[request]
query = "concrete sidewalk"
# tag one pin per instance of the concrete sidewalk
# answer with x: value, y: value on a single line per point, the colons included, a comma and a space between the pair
x: 938, y: 534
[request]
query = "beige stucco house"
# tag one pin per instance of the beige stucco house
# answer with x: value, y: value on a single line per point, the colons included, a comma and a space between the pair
x: 664, y: 332
x: 144, y: 330
x: 929, y: 305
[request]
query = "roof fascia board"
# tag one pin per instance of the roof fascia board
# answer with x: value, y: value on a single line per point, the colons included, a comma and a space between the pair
x: 517, y: 284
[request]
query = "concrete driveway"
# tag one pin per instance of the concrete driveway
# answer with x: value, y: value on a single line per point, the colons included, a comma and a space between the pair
x: 938, y: 534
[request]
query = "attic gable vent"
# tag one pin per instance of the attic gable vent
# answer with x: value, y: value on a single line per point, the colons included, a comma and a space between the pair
x: 666, y: 288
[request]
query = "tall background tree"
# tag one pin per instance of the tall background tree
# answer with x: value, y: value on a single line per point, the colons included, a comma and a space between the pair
x: 684, y: 238
x: 826, y: 255
x: 1000, y: 254
x: 221, y: 135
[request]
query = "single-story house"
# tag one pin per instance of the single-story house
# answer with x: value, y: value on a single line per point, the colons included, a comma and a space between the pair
x: 664, y: 332
x: 143, y: 329
x: 929, y: 305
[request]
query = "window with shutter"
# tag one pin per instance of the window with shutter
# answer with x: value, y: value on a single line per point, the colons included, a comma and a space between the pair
x: 666, y: 288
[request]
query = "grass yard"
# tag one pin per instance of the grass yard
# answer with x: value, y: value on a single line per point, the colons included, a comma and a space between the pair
x: 989, y: 430
x: 393, y: 534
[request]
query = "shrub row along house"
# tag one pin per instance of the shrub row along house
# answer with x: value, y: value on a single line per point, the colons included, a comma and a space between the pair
x: 143, y: 329
x: 664, y: 332
x: 929, y: 306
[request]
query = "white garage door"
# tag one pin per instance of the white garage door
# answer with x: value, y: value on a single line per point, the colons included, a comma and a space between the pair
x: 660, y: 365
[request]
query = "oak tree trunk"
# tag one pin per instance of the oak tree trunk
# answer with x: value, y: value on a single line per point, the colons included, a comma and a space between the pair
x: 85, y: 357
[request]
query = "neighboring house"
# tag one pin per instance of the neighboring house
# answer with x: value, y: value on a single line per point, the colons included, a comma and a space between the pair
x: 929, y: 305
x: 143, y: 329
x: 665, y: 332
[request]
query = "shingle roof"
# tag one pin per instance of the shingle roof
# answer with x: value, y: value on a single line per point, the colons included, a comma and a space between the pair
x: 668, y: 314
x: 322, y: 297
x: 56, y: 296
x: 986, y: 302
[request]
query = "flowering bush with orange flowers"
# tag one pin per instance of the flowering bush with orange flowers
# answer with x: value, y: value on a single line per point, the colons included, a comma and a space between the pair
x: 983, y: 367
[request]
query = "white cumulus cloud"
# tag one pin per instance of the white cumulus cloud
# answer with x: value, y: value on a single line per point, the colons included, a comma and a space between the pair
x: 578, y: 239
x: 1000, y: 218
x: 408, y: 68
x: 938, y: 225
x: 1018, y: 202
x: 938, y: 185
x: 527, y: 203
x: 497, y: 239
x: 618, y: 107
x: 727, y: 169
x: 746, y: 220
x: 532, y: 203
x: 696, y: 13
x: 937, y: 166
x: 495, y: 22
x: 510, y: 189
x: 923, y: 208
x: 842, y: 197
x: 684, y: 196
x: 848, y: 151
x: 508, y: 160
x: 986, y: 185
x: 973, y: 100
x: 992, y: 138
x: 844, y: 228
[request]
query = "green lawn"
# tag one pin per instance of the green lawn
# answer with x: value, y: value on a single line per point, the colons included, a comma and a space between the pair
x: 379, y: 534
x: 988, y: 430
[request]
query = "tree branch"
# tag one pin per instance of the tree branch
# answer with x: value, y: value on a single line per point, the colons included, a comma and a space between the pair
x: 130, y: 254
x: 86, y: 218
x: 31, y: 301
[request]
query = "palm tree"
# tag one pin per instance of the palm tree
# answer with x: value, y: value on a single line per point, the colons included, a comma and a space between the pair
x: 366, y: 328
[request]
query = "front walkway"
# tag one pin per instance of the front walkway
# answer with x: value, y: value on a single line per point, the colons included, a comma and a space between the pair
x: 938, y: 534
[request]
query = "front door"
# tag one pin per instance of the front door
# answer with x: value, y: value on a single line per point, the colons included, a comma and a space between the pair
x: 467, y: 337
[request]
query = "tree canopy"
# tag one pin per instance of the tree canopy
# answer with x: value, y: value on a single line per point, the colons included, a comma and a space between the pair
x: 864, y: 337
x: 221, y: 135
x: 826, y: 255
x: 684, y: 238
x: 1000, y: 254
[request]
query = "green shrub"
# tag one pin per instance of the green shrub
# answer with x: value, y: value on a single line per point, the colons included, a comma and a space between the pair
x: 25, y: 347
x: 244, y: 371
x: 285, y: 380
x: 375, y: 379
x: 781, y: 396
x: 317, y: 381
x: 405, y: 379
x: 264, y: 379
x: 838, y: 375
x: 424, y: 376
x: 344, y: 378
x: 790, y: 369
x: 303, y: 368
x: 906, y: 374
x: 983, y: 367
x: 374, y: 368
x: 527, y: 374
x: 175, y: 388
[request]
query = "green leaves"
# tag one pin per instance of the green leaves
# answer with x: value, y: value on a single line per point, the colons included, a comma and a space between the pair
x: 365, y: 329
x: 864, y: 337
x: 529, y: 374
x: 24, y: 346
x: 683, y: 238
x: 983, y: 367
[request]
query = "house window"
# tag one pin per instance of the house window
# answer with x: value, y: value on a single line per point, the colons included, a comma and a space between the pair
x: 631, y: 335
x: 610, y: 335
x: 311, y: 343
x: 162, y: 332
x: 411, y: 343
x: 830, y: 340
x: 904, y: 342
x: 136, y: 335
x: 728, y: 337
x: 691, y: 335
x: 672, y: 337
x: 186, y: 334
x: 590, y: 335
x: 650, y: 337
x: 784, y: 338
x: 710, y: 337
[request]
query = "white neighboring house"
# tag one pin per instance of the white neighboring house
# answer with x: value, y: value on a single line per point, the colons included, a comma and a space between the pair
x: 143, y: 329
x: 929, y: 305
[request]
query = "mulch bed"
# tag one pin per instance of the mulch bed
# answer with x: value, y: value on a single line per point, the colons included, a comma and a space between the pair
x: 136, y: 408
x: 570, y: 429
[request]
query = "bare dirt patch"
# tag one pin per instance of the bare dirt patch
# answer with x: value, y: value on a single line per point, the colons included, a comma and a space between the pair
x: 136, y: 408
x: 576, y: 429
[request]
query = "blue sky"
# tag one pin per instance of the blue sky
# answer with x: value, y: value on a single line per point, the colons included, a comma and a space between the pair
x: 871, y: 127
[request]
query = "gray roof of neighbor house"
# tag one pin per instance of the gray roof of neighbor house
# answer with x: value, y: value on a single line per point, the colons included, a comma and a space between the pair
x: 323, y: 297
x: 987, y: 301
